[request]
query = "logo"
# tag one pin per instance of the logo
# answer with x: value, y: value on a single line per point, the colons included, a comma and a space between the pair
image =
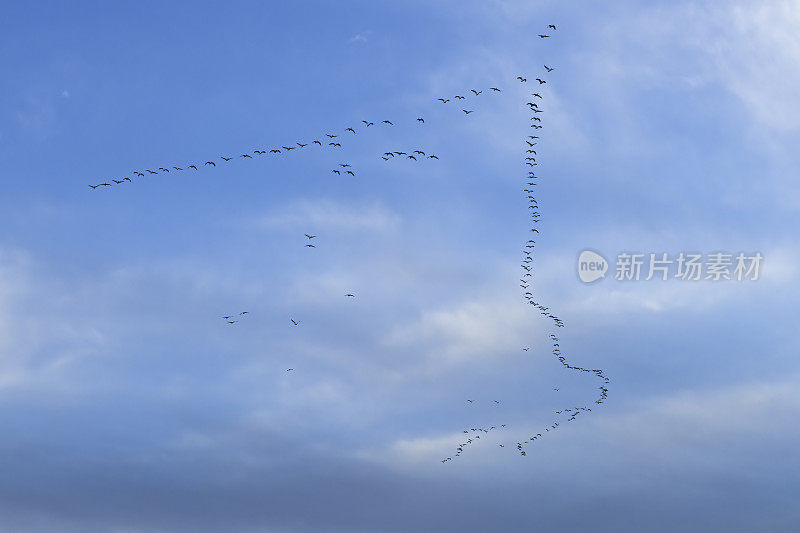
x: 591, y: 266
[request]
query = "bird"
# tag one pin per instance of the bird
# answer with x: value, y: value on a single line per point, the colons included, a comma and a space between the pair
x: 232, y: 321
x: 549, y: 69
x: 336, y: 171
x: 164, y: 169
x: 274, y: 151
x: 476, y: 92
x: 247, y: 155
x: 543, y: 36
x: 128, y: 179
x: 106, y: 184
x: 432, y: 157
x: 537, y: 95
x: 288, y: 147
x: 350, y: 295
x: 94, y: 186
x: 540, y: 80
x: 459, y: 97
x: 344, y: 165
x: 317, y: 142
x: 245, y: 313
x: 330, y: 136
x: 389, y: 122
x: 443, y: 100
x: 420, y: 152
x: 226, y: 158
x: 309, y: 236
x: 192, y: 166
x: 210, y: 163
x: 335, y: 144
x: 310, y: 246
x: 289, y: 369
x: 177, y: 168
x: 520, y: 78
x: 495, y: 89
x: 467, y: 112
x: 294, y: 321
x: 116, y: 181
x: 351, y: 130
x: 301, y: 145
x: 350, y: 172
x: 412, y: 157
x: 551, y: 26
x: 421, y: 120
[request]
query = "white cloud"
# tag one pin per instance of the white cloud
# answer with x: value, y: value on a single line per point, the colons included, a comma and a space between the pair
x: 329, y: 214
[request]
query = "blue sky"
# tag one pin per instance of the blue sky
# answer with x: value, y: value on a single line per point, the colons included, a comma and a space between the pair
x: 128, y: 405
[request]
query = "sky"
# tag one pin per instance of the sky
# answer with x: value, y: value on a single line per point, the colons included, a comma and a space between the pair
x: 127, y: 404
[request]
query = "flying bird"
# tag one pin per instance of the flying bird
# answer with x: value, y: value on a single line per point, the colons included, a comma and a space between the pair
x: 309, y: 236
x: 210, y: 163
x: 476, y: 92
x: 549, y: 69
x: 543, y: 36
x: 523, y: 80
x: 551, y: 26
x: 467, y: 112
x: 443, y: 100
x: 541, y: 81
x: 421, y: 120
x: 389, y: 122
x: 494, y: 89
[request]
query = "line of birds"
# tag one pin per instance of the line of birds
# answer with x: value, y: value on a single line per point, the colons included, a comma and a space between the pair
x: 328, y: 139
x: 531, y: 178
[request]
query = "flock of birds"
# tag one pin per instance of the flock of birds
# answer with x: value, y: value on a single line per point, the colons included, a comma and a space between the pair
x: 531, y: 180
x: 334, y: 141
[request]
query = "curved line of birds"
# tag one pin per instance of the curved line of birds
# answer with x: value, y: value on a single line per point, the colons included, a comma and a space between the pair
x: 571, y: 413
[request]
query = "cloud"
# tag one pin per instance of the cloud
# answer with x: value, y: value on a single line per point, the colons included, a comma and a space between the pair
x: 328, y: 215
x: 361, y: 37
